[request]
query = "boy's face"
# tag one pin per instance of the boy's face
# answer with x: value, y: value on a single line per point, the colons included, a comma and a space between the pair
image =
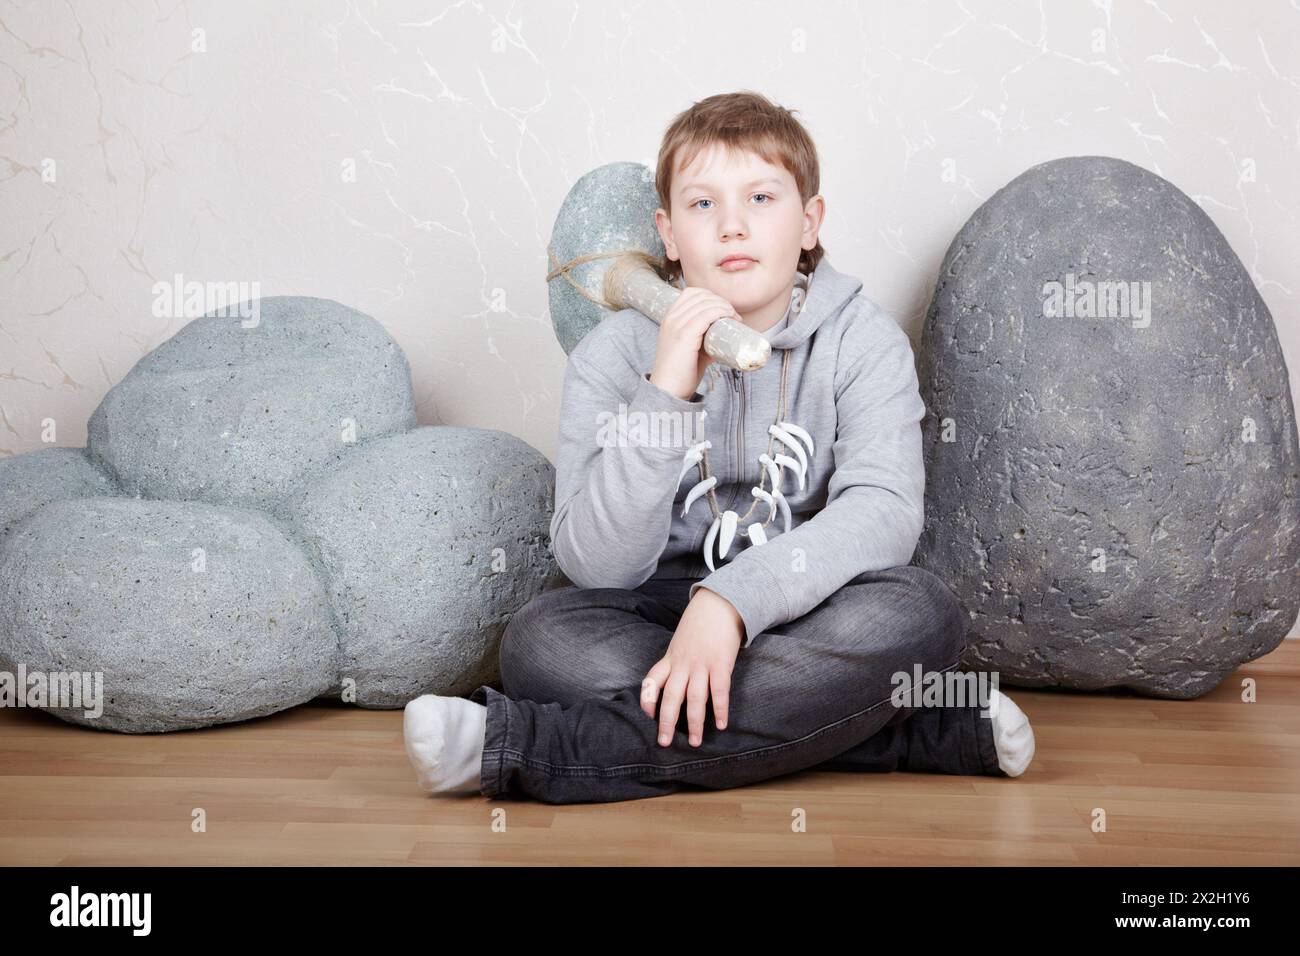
x: 735, y: 203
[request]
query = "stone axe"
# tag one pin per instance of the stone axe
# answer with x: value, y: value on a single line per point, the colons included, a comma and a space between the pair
x: 605, y: 253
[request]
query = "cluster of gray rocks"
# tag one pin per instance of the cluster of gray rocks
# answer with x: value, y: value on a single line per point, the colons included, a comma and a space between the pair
x: 257, y: 521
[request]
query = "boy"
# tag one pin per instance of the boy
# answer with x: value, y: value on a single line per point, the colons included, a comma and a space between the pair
x: 825, y: 437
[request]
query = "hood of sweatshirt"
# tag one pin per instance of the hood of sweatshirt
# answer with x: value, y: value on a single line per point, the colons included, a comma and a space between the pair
x: 647, y: 505
x: 797, y: 297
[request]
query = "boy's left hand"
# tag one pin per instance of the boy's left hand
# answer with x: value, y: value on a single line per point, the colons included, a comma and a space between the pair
x: 699, y: 659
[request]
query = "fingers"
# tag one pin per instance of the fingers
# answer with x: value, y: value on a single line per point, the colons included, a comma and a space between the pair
x: 671, y: 706
x: 697, y: 699
x: 654, y: 680
x: 686, y: 306
x: 680, y: 354
x: 697, y: 309
x: 696, y: 689
x: 709, y: 311
x: 721, y: 687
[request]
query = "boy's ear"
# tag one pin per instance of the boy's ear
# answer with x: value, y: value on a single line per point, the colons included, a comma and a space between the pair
x: 665, y: 226
x: 814, y: 214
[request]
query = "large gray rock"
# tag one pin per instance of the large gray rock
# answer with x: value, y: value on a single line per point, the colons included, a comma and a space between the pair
x: 1111, y: 491
x: 428, y: 541
x: 233, y: 415
x: 30, y: 481
x: 195, y: 614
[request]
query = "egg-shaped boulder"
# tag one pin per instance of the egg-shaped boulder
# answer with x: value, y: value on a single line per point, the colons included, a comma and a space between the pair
x: 168, y: 615
x: 234, y: 410
x: 1112, y: 477
x: 428, y: 543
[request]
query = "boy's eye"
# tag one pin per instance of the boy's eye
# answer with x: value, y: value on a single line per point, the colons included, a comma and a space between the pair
x: 756, y: 195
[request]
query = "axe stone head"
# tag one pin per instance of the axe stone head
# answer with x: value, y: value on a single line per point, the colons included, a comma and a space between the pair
x: 608, y: 211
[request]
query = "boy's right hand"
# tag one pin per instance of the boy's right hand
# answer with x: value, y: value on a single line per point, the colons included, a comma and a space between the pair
x: 696, y: 665
x: 680, y: 359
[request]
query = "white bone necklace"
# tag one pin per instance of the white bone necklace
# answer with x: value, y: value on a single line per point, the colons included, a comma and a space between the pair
x: 723, y: 530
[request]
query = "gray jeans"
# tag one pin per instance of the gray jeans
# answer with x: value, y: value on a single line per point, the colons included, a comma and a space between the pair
x: 812, y: 693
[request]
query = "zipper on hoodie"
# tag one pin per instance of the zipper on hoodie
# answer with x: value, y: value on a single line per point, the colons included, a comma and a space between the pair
x: 740, y: 438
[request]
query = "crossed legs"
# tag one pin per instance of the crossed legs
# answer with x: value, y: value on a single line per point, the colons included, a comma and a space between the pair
x: 812, y: 692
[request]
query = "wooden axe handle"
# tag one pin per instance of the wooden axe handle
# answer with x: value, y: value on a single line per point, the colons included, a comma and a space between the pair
x: 632, y: 283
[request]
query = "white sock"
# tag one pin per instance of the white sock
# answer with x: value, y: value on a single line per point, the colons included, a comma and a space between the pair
x: 1012, y: 735
x: 444, y: 741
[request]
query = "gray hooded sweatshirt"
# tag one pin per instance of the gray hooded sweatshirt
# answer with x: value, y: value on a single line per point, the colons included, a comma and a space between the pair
x: 620, y: 488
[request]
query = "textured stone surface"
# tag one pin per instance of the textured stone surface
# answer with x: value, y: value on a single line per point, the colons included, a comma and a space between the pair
x: 379, y: 563
x: 185, y: 638
x: 1081, y: 438
x: 51, y: 474
x: 609, y: 209
x: 234, y: 415
x: 428, y: 542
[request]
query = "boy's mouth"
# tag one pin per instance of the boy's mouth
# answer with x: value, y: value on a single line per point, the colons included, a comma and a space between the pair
x: 736, y: 263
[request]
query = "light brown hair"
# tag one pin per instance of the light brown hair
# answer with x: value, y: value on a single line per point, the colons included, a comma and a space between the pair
x: 740, y: 121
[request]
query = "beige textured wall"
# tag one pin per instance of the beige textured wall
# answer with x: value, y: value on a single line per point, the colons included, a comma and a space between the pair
x: 215, y: 139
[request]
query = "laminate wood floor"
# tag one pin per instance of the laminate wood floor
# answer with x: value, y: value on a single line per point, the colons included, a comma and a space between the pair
x: 1214, y: 781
